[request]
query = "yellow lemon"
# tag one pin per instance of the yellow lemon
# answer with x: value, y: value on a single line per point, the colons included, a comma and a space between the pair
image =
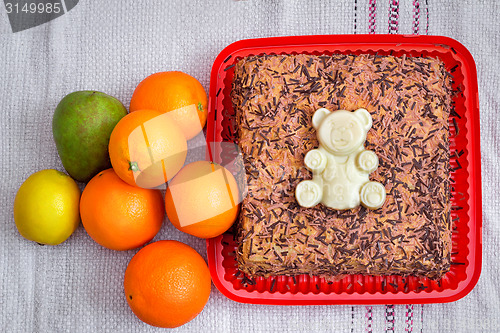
x: 46, y: 208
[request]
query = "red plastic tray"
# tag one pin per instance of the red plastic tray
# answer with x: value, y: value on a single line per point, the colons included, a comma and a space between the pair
x: 466, y: 180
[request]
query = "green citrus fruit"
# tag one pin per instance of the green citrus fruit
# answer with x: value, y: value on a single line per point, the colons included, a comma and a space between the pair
x: 46, y: 208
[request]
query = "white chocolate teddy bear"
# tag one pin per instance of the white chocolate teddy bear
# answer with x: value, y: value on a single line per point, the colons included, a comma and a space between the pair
x: 341, y: 164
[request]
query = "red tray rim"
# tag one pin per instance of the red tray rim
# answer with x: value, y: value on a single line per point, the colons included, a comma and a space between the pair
x: 400, y: 42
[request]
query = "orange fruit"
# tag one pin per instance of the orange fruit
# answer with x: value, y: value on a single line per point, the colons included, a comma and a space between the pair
x: 177, y: 93
x: 120, y: 216
x: 167, y: 284
x: 147, y: 148
x: 202, y: 199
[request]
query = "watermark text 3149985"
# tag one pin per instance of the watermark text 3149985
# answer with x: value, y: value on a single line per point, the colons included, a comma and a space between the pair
x: 25, y: 14
x: 33, y: 8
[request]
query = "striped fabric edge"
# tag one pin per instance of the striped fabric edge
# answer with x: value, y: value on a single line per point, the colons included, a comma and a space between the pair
x: 409, y: 318
x: 393, y: 17
x: 416, y: 17
x: 369, y: 319
x: 372, y: 16
x: 389, y: 318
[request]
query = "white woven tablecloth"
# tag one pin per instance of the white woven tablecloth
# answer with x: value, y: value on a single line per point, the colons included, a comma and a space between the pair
x: 110, y: 46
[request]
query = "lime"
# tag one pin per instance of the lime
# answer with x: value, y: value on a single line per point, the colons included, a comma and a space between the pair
x: 46, y: 208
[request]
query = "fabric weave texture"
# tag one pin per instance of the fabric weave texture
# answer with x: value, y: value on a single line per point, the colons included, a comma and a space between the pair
x: 111, y: 46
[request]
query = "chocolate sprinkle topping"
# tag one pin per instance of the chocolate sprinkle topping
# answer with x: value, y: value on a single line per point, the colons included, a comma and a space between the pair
x: 275, y: 96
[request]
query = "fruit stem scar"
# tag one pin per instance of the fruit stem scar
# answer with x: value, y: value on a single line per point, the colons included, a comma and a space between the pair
x: 133, y: 166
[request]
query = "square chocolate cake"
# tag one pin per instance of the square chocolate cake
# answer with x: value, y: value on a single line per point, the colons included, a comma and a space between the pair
x: 409, y: 100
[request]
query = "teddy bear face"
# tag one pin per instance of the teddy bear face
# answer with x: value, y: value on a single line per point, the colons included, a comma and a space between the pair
x: 343, y: 132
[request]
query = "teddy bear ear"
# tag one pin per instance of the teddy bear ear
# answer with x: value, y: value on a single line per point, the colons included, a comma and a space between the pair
x: 365, y: 117
x: 319, y: 116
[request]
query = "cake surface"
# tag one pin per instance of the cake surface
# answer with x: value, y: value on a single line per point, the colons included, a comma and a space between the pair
x: 275, y: 96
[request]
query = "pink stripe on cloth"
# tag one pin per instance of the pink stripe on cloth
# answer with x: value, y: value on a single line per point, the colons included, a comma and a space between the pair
x: 409, y: 318
x: 372, y: 16
x: 389, y: 318
x: 369, y: 319
x: 416, y: 16
x: 394, y: 16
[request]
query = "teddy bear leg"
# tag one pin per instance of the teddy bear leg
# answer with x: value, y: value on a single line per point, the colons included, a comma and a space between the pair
x: 372, y: 195
x: 308, y: 193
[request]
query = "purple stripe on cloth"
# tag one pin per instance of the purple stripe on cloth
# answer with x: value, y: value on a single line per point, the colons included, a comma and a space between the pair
x: 394, y: 16
x: 409, y: 318
x: 372, y: 17
x: 352, y: 319
x: 355, y: 16
x: 369, y: 319
x: 427, y: 16
x: 389, y: 318
x: 416, y: 16
x: 421, y: 318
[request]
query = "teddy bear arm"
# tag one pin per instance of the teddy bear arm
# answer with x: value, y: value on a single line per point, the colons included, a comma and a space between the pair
x: 315, y: 160
x: 367, y: 161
